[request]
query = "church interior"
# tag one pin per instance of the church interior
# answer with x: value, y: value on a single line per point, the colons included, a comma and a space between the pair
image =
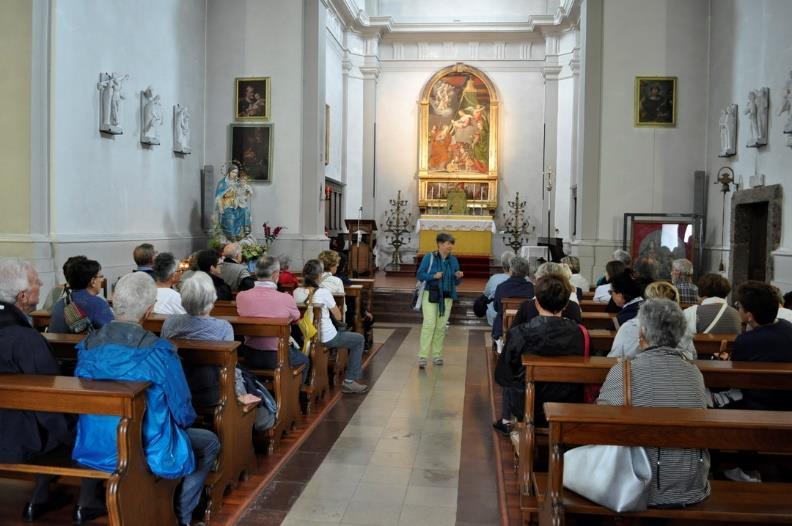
x: 395, y: 262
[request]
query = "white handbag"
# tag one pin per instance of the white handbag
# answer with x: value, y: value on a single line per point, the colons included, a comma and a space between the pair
x: 616, y: 477
x: 420, y: 287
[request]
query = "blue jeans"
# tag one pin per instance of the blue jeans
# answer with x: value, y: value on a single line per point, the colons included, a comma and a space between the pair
x: 205, y: 447
x: 354, y: 342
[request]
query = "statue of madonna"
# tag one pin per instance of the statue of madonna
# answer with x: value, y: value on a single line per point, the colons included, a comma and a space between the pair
x: 232, y: 204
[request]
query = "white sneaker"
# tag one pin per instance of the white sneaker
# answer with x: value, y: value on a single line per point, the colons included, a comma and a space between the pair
x: 437, y: 361
x: 738, y: 475
x: 351, y: 386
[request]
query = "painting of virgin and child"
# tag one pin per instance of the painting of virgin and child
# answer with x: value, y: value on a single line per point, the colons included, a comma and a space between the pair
x: 459, y: 124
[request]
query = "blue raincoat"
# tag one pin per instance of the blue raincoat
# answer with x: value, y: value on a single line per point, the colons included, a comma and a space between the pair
x: 126, y: 351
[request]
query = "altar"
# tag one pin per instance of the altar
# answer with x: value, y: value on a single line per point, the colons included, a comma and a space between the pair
x: 473, y: 234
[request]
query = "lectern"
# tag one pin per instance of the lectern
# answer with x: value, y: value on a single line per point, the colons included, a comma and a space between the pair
x: 361, y: 246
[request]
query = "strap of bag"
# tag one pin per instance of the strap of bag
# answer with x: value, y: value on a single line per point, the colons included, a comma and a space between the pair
x: 627, y: 373
x: 717, y: 318
x: 586, y: 341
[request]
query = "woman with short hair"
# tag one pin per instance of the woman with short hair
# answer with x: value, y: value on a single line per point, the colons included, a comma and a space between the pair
x: 85, y: 282
x: 603, y: 291
x: 440, y: 271
x: 713, y: 315
x: 626, y: 293
x: 495, y: 280
x: 661, y: 376
x: 578, y: 280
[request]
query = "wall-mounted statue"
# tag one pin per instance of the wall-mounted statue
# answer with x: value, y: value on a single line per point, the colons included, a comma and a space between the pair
x: 786, y: 106
x: 232, y: 205
x: 110, y: 88
x: 728, y: 131
x: 150, y: 116
x: 181, y: 129
x: 757, y: 112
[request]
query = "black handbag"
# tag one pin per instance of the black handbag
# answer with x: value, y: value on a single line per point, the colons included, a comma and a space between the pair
x: 434, y: 295
x: 481, y: 305
x: 339, y: 325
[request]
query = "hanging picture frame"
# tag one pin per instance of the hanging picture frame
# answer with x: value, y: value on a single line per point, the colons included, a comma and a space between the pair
x: 252, y: 100
x: 655, y: 101
x: 251, y: 145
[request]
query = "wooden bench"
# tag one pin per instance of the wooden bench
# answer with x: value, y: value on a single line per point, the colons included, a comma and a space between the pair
x: 588, y: 295
x: 231, y: 420
x: 576, y: 369
x: 706, y: 344
x: 318, y: 384
x: 368, y: 288
x: 356, y: 292
x: 283, y: 381
x: 337, y: 362
x: 133, y: 494
x: 224, y: 308
x: 580, y: 424
x: 599, y: 320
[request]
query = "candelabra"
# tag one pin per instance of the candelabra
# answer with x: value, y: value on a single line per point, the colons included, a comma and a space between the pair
x: 726, y: 180
x: 397, y: 226
x: 515, y: 226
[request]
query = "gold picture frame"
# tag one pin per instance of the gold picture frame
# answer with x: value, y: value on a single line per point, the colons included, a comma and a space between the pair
x: 252, y: 99
x: 655, y: 102
x: 251, y: 145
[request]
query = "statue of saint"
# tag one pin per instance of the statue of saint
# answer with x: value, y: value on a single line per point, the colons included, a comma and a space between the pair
x: 232, y: 204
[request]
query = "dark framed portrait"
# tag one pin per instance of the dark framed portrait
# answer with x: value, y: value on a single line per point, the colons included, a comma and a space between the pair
x: 251, y: 147
x: 664, y: 238
x: 655, y: 101
x: 252, y: 101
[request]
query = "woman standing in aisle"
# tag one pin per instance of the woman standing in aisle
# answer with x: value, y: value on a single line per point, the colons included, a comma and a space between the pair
x: 440, y: 271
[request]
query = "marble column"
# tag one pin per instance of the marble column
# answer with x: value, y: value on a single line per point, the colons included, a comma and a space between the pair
x: 370, y: 71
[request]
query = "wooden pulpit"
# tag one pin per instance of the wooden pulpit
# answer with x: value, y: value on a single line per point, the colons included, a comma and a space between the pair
x: 361, y: 246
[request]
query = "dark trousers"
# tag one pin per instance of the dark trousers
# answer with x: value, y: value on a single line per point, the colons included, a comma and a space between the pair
x: 513, y: 403
x: 258, y: 359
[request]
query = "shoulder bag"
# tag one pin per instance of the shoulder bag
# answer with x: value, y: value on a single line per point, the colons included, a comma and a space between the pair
x: 420, y: 286
x: 306, y: 323
x: 616, y: 477
x: 76, y: 319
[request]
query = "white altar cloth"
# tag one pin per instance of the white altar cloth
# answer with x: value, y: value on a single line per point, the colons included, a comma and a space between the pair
x: 468, y: 225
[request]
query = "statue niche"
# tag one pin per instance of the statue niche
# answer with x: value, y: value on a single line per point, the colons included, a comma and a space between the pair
x: 458, y: 158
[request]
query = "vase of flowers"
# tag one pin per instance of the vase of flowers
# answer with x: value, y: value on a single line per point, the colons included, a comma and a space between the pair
x: 271, y: 234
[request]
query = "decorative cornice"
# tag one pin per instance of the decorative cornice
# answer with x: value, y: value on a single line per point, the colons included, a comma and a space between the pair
x: 370, y: 72
x: 551, y: 71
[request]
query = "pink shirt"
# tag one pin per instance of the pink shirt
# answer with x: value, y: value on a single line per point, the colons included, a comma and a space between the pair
x: 264, y: 301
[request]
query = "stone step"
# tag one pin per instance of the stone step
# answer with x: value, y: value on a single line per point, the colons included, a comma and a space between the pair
x: 393, y: 306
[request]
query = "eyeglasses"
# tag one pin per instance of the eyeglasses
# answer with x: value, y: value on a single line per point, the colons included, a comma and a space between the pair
x: 737, y: 305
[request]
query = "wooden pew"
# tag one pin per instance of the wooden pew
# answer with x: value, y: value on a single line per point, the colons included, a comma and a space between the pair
x: 356, y: 292
x: 224, y: 308
x: 231, y: 421
x: 133, y: 494
x: 706, y: 344
x: 588, y: 295
x: 599, y: 320
x: 284, y: 381
x: 368, y: 288
x: 41, y: 319
x: 579, y: 424
x: 337, y: 362
x: 318, y: 383
x: 576, y: 369
x: 592, y: 306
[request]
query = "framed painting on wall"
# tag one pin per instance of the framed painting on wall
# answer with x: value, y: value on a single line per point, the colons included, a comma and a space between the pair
x: 251, y: 147
x: 664, y: 238
x: 655, y: 101
x: 252, y: 100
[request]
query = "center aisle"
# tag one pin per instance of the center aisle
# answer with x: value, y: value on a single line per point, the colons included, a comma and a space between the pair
x: 397, y: 461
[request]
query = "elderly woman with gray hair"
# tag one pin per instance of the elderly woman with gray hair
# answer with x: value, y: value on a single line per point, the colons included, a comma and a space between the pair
x: 662, y: 376
x: 495, y: 280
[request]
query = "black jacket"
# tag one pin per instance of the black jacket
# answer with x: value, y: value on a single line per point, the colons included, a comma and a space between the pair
x: 543, y: 336
x: 222, y: 288
x: 514, y: 287
x: 27, y: 434
x: 629, y: 312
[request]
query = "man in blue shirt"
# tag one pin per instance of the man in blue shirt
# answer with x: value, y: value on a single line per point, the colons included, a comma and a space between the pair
x: 124, y: 350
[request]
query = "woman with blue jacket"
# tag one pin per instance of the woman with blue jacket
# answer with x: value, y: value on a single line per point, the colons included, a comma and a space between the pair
x: 440, y: 271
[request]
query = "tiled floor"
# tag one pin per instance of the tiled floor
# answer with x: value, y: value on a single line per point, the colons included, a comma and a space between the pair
x: 397, y: 461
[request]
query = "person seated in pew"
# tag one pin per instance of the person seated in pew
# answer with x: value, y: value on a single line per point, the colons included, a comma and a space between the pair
x: 232, y: 271
x: 577, y: 279
x: 517, y: 286
x: 58, y: 291
x: 208, y: 261
x: 124, y: 350
x: 328, y: 280
x: 563, y: 269
x: 783, y: 312
x: 714, y: 315
x: 769, y: 340
x: 84, y: 286
x: 626, y: 344
x: 603, y: 291
x: 626, y: 293
x: 165, y: 276
x: 662, y: 376
x: 285, y: 277
x: 493, y: 282
x: 144, y: 255
x: 618, y: 255
x: 264, y: 301
x: 682, y: 279
x: 527, y: 310
x: 548, y: 334
x: 25, y: 435
x: 367, y: 317
x: 330, y: 337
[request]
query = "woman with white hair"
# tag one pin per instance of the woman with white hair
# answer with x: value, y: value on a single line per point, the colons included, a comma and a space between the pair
x: 495, y: 280
x: 662, y: 376
x: 165, y: 276
x: 198, y: 296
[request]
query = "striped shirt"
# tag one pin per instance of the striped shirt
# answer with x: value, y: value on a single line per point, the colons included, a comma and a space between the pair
x: 662, y: 377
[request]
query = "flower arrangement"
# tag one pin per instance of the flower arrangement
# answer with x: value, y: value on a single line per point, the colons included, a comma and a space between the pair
x: 251, y: 250
x: 271, y: 234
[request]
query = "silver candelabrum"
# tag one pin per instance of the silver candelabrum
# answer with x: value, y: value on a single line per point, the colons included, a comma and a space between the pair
x: 515, y: 226
x: 397, y: 226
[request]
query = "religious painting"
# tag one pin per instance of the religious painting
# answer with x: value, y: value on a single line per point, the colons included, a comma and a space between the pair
x: 473, y: 191
x: 459, y: 124
x: 655, y: 101
x: 664, y: 241
x: 251, y: 148
x: 252, y: 101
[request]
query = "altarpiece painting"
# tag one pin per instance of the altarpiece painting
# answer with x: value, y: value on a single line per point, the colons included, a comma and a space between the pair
x: 458, y: 141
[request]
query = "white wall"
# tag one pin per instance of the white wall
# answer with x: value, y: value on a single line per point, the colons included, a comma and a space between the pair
x: 751, y: 47
x: 334, y: 96
x: 259, y: 38
x: 651, y: 169
x: 108, y: 194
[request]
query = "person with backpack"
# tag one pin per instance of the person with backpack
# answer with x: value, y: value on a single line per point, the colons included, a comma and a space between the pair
x: 82, y: 309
